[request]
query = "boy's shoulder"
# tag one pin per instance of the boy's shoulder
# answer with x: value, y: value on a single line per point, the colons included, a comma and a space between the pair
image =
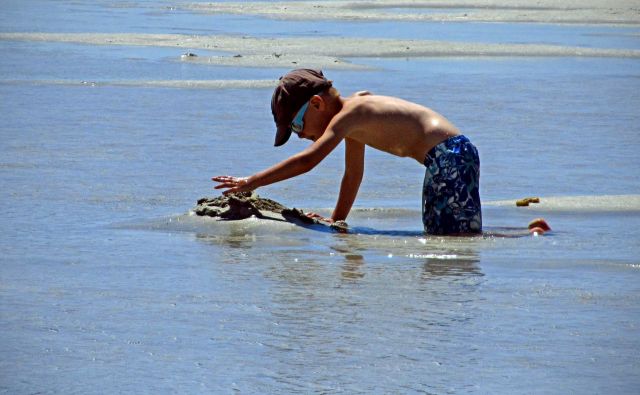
x: 355, y: 104
x: 359, y: 109
x: 361, y: 93
x: 358, y: 100
x: 364, y: 103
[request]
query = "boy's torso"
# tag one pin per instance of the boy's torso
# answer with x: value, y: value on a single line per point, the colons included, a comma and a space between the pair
x: 396, y: 126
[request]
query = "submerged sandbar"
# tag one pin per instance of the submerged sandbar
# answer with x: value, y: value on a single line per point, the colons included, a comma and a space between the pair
x: 587, y: 203
x: 611, y: 12
x: 325, y: 52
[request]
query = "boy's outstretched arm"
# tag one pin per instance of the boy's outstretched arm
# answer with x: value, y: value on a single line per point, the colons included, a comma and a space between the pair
x: 353, y: 172
x: 291, y: 167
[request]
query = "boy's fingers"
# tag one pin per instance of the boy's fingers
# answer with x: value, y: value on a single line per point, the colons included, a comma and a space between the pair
x: 318, y: 216
x: 221, y: 178
x: 227, y: 185
x: 229, y: 179
x: 230, y: 184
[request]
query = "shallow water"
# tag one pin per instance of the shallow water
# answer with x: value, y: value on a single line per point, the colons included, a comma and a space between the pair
x: 108, y: 285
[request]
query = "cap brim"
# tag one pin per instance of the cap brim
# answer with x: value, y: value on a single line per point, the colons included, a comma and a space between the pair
x: 282, y: 135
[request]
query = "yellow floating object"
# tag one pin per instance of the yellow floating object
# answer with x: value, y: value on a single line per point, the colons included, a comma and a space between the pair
x: 526, y: 201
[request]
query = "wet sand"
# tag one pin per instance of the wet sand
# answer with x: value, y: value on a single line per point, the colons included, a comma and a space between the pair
x: 178, y: 84
x: 343, y: 52
x: 604, y: 203
x: 543, y: 11
x: 327, y: 52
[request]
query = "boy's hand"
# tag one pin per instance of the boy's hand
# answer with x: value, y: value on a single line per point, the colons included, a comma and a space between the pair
x: 234, y: 184
x: 319, y: 217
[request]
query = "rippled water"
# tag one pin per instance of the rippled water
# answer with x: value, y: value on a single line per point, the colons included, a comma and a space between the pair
x: 108, y: 285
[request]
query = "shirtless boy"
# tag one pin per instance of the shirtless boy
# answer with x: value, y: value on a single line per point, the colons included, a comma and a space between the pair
x: 306, y: 103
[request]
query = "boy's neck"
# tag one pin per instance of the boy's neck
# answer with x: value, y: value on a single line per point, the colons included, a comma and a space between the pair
x: 336, y: 103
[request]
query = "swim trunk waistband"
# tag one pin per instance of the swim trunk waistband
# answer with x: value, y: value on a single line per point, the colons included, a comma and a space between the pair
x: 452, y: 144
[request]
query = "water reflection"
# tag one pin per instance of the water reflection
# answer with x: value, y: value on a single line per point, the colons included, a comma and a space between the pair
x: 332, y: 306
x: 434, y: 267
x: 441, y: 256
x: 235, y: 239
x: 352, y: 267
x: 370, y: 314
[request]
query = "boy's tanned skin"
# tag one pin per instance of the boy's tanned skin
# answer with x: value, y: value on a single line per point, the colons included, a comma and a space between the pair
x: 388, y: 124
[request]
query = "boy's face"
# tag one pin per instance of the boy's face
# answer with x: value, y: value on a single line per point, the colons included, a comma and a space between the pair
x: 312, y: 119
x: 297, y: 125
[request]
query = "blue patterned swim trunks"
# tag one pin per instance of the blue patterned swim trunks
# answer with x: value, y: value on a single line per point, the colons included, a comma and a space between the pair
x: 451, y: 189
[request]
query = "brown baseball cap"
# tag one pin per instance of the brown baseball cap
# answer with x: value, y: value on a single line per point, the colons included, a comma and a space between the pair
x: 293, y: 91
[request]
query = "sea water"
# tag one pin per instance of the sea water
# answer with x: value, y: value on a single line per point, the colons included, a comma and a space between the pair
x: 108, y: 285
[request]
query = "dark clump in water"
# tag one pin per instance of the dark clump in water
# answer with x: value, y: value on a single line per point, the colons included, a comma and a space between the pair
x: 237, y: 206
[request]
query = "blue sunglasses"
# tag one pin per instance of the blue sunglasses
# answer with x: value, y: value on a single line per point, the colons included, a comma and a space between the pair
x: 298, y: 124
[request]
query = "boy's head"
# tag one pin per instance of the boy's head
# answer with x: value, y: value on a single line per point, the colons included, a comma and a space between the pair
x: 294, y: 90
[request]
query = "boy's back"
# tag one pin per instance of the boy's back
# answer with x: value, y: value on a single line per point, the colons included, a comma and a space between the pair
x: 393, y: 125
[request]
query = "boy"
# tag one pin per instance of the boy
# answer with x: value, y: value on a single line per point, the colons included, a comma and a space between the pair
x: 306, y: 103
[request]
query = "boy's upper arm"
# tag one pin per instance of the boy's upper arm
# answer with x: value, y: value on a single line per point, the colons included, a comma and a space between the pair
x: 354, y: 158
x: 336, y: 131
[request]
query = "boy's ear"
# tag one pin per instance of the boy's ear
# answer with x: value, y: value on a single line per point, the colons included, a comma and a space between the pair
x: 317, y: 102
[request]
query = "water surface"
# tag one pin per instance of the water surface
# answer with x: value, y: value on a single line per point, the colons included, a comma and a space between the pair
x: 107, y: 283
